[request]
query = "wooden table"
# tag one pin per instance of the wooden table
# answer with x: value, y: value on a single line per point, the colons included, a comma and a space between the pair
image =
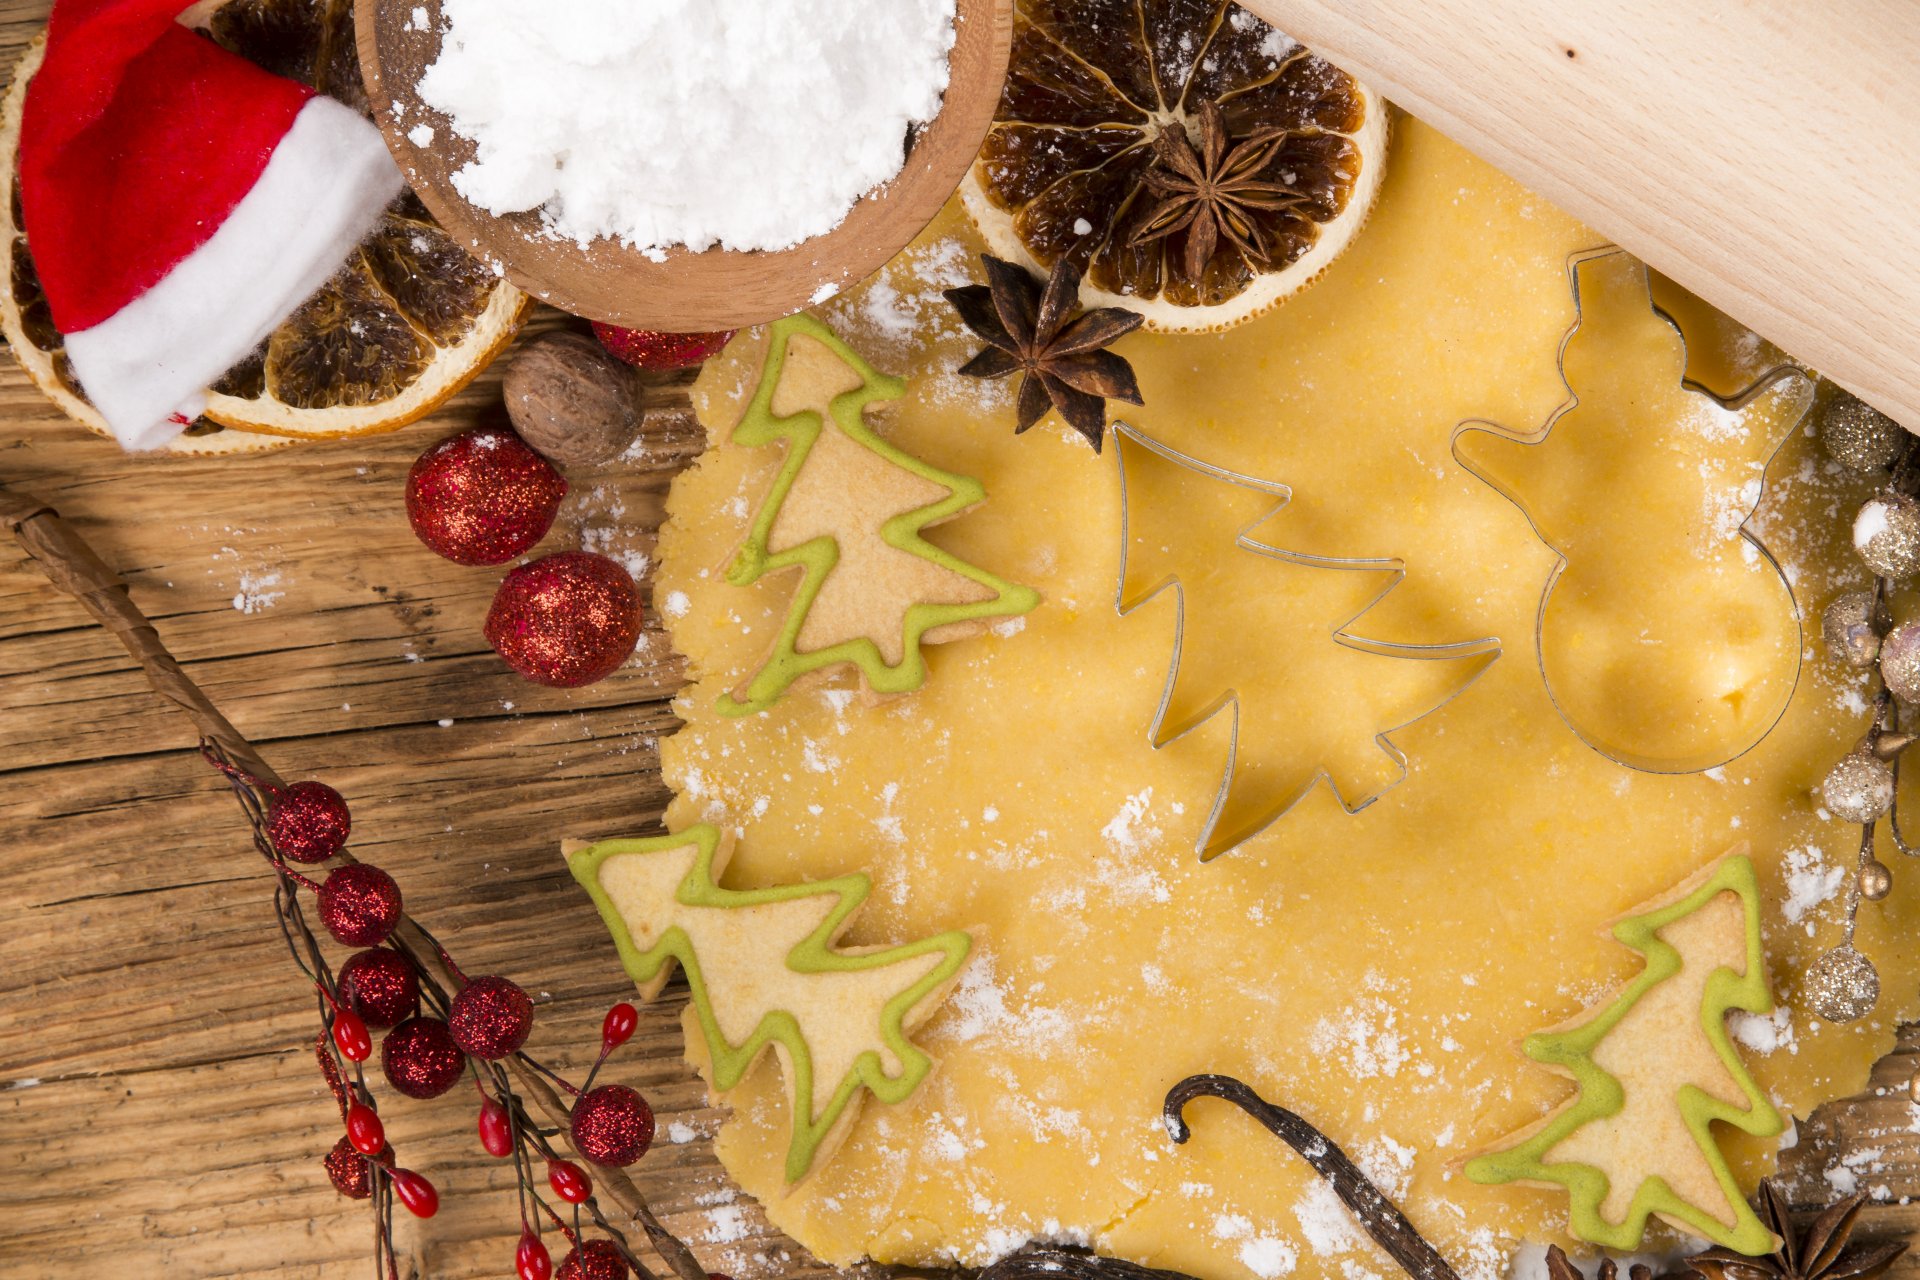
x: 161, y: 1109
x: 159, y: 1103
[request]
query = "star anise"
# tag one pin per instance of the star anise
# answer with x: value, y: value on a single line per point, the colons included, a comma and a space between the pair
x: 1821, y: 1252
x: 1211, y: 192
x: 1560, y: 1267
x: 1063, y: 363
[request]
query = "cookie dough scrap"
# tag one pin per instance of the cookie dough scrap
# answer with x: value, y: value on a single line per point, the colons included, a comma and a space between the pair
x: 1372, y: 971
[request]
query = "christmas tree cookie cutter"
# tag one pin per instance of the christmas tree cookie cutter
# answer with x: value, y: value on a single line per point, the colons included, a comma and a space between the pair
x: 1210, y: 843
x: 1650, y: 1064
x: 766, y: 972
x: 1485, y: 438
x: 799, y: 514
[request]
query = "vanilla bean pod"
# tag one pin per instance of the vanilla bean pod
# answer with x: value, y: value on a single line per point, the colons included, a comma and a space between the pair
x: 1378, y: 1215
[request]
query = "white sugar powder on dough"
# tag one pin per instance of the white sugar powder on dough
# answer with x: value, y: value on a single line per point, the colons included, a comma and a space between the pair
x: 686, y: 122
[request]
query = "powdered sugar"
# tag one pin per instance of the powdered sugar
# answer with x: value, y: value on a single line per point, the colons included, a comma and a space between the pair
x: 686, y: 122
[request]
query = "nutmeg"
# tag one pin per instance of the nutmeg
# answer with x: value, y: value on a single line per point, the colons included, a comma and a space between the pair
x: 570, y: 400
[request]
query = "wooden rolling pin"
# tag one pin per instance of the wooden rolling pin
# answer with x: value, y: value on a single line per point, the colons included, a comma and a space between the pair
x: 1763, y: 153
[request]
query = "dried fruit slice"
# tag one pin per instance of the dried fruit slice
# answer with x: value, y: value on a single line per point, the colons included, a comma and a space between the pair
x: 409, y: 319
x: 1204, y: 164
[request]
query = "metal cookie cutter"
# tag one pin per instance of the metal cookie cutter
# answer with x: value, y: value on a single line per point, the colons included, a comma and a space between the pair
x: 1209, y: 845
x: 1731, y: 403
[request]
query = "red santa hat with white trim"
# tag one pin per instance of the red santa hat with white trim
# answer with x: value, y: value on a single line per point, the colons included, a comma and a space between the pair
x: 180, y: 203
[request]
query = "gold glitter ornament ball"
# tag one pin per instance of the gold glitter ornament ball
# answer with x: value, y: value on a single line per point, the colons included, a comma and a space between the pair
x: 1900, y: 662
x: 1847, y: 626
x: 1886, y: 533
x: 1857, y: 435
x: 1842, y: 985
x: 1858, y: 789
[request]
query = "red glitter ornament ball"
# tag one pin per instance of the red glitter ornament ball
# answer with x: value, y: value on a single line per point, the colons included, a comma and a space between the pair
x: 420, y: 1058
x: 359, y: 905
x: 491, y: 1017
x: 660, y: 352
x: 566, y: 619
x: 379, y: 985
x: 347, y: 1170
x: 612, y: 1125
x: 482, y: 496
x: 308, y: 822
x: 594, y: 1260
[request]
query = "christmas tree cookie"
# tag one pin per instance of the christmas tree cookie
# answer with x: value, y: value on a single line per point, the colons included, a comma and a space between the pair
x: 1655, y: 1069
x: 847, y: 510
x: 766, y: 972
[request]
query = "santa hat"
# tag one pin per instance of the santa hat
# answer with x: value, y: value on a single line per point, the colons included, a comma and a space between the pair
x: 180, y: 203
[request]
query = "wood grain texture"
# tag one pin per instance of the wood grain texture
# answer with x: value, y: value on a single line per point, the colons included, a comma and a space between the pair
x: 162, y: 1109
x: 1761, y: 152
x: 717, y: 288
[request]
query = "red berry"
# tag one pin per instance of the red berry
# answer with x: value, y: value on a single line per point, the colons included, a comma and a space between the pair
x: 569, y: 1181
x: 420, y: 1058
x: 531, y: 1260
x: 659, y: 352
x: 350, y: 1033
x: 380, y: 985
x: 416, y: 1193
x: 348, y: 1171
x: 308, y: 822
x: 491, y: 1017
x: 618, y: 1027
x: 565, y: 620
x: 612, y: 1125
x: 364, y: 1129
x: 482, y: 496
x: 359, y: 904
x: 496, y: 1132
x: 594, y: 1260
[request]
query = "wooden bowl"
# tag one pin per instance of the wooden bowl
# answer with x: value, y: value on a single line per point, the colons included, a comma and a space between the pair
x: 714, y: 289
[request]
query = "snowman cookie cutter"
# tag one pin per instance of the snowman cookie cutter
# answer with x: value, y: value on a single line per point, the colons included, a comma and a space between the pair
x: 1720, y: 436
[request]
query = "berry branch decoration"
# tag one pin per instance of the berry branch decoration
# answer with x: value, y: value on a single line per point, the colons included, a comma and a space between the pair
x: 1842, y: 985
x: 442, y: 1025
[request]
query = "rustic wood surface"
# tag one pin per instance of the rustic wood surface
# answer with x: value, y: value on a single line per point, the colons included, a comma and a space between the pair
x: 161, y: 1112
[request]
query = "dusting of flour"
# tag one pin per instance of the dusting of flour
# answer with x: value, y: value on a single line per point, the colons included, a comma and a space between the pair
x: 686, y: 122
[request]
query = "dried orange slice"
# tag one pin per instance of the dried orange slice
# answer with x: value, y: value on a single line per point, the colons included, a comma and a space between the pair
x: 1204, y: 164
x: 408, y: 320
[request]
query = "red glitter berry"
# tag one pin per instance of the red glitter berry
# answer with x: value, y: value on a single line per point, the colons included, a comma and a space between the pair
x: 660, y: 352
x: 359, y: 904
x: 379, y: 985
x: 491, y: 1017
x: 612, y: 1125
x: 594, y: 1260
x: 308, y: 822
x: 420, y: 1058
x: 565, y: 620
x: 347, y: 1169
x: 482, y: 496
